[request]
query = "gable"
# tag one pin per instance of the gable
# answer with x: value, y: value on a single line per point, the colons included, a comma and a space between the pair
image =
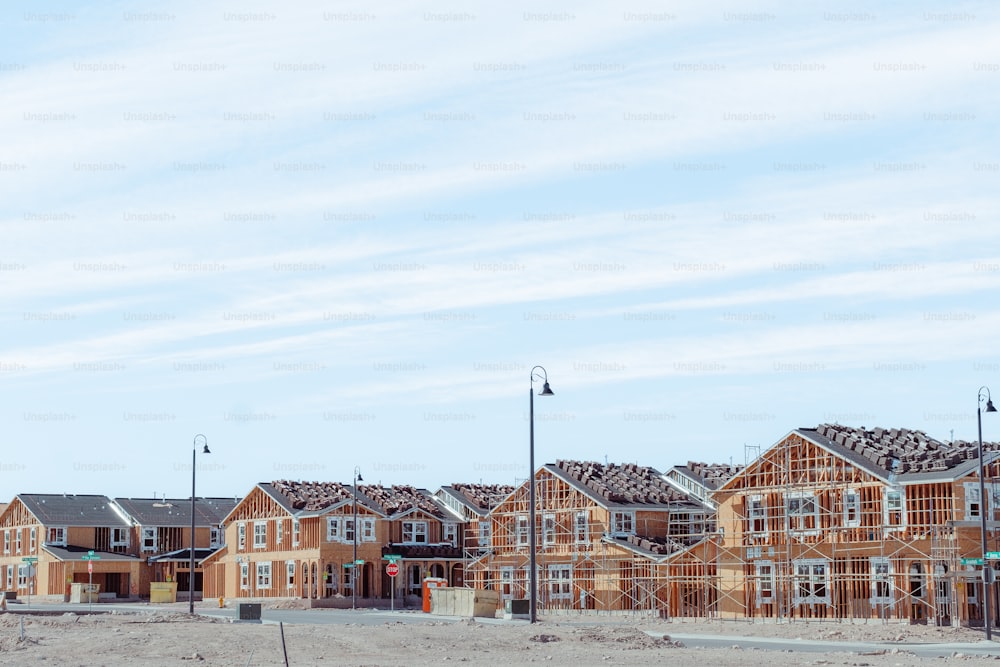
x: 16, y: 514
x: 798, y: 461
x: 258, y: 504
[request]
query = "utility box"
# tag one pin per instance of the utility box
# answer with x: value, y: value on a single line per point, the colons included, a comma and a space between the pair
x: 249, y: 611
x: 162, y: 591
x: 516, y: 609
x: 84, y: 593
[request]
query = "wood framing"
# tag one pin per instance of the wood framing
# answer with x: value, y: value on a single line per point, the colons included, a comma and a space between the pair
x: 848, y: 523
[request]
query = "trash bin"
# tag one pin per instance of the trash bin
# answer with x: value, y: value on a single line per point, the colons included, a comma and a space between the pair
x: 162, y: 591
x: 429, y: 583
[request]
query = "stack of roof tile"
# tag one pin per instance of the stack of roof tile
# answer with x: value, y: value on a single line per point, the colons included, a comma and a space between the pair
x: 657, y: 545
x: 903, y: 450
x: 311, y: 495
x: 713, y: 475
x: 484, y: 496
x: 627, y: 484
x: 400, y: 498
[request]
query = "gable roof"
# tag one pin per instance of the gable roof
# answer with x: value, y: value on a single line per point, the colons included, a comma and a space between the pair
x: 622, y: 486
x: 176, y: 512
x: 896, y: 455
x: 58, y: 509
x: 308, y: 496
x: 397, y: 500
x: 701, y: 479
x: 73, y: 553
x: 901, y: 452
x: 476, y: 499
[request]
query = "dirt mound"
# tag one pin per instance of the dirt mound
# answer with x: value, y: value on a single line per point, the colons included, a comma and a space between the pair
x: 627, y: 638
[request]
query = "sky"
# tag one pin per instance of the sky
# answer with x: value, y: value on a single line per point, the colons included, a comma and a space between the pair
x: 330, y: 236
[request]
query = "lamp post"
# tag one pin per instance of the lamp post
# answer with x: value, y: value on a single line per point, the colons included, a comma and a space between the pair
x: 987, y: 570
x: 194, y: 451
x: 354, y: 563
x: 532, y: 572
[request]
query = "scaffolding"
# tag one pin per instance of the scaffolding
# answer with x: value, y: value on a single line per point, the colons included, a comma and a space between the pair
x: 804, y: 532
x: 808, y: 534
x: 589, y: 557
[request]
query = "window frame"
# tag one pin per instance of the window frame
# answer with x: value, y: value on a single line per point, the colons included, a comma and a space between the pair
x: 811, y: 581
x: 882, y: 587
x: 622, y: 523
x: 260, y: 534
x: 560, y: 581
x: 415, y: 529
x: 763, y: 577
x: 521, y: 530
x: 802, y: 513
x: 756, y: 515
x: 852, y: 508
x: 889, y: 508
x: 548, y: 529
x: 149, y: 537
x: 263, y: 575
x: 581, y: 527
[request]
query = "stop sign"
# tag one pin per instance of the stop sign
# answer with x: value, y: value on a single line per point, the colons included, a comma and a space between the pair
x: 392, y: 569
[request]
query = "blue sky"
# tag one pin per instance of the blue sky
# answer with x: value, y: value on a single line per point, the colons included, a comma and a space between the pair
x: 329, y: 235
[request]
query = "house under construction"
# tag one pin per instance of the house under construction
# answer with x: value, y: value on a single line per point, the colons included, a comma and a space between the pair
x: 831, y: 522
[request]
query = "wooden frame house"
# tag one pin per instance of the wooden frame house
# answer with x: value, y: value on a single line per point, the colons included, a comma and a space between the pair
x: 68, y: 535
x: 853, y: 523
x: 161, y: 536
x: 601, y: 529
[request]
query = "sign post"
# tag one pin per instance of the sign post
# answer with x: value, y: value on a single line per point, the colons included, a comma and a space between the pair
x: 90, y: 558
x: 30, y: 560
x: 392, y: 569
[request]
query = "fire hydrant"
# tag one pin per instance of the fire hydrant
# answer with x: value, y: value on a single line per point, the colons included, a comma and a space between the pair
x: 222, y: 603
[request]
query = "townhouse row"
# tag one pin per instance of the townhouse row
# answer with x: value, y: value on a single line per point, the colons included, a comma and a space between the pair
x: 830, y: 522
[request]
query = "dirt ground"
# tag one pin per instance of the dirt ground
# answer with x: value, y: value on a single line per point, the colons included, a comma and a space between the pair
x: 162, y: 639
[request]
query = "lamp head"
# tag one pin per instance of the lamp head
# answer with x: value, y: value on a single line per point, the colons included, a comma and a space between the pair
x: 359, y: 478
x: 546, y: 391
x: 206, y: 449
x: 989, y: 406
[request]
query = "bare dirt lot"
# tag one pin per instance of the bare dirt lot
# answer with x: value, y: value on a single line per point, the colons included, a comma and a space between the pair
x: 160, y: 639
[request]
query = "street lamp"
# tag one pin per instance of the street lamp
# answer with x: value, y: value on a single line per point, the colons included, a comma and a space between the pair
x: 987, y: 570
x: 532, y: 572
x: 354, y: 563
x: 194, y: 451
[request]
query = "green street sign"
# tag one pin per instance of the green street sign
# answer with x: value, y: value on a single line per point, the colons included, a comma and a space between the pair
x: 30, y: 559
x: 359, y: 562
x: 392, y: 558
x: 972, y: 561
x: 348, y: 565
x: 91, y: 556
x: 992, y: 555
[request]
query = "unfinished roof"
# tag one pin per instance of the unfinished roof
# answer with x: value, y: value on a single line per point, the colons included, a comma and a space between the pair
x: 898, y: 450
x: 660, y: 546
x: 399, y: 499
x: 309, y: 496
x: 710, y: 475
x: 176, y: 511
x: 481, y: 498
x: 627, y: 484
x: 72, y: 510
